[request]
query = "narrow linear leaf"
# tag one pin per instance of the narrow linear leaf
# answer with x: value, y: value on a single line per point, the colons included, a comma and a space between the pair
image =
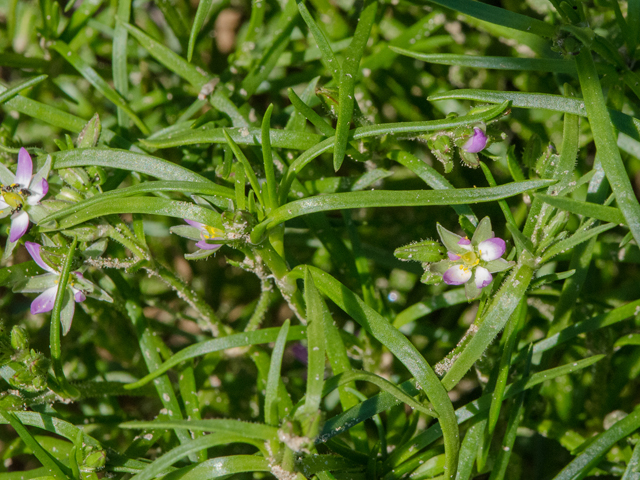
x: 583, y: 463
x: 271, y: 395
x: 348, y: 73
x: 97, y: 81
x: 586, y: 209
x: 168, y: 58
x: 258, y: 431
x: 395, y: 198
x: 221, y: 467
x: 204, y: 6
x: 316, y: 310
x: 575, y: 239
x: 554, y: 65
x: 246, y: 339
x: 15, y: 90
x: 606, y: 144
x: 327, y: 55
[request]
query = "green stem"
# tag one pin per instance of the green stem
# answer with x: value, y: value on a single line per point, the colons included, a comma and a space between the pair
x: 54, y: 336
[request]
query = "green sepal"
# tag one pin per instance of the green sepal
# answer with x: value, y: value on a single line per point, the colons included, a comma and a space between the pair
x: 483, y: 232
x: 498, y: 265
x: 450, y: 240
x: 90, y: 134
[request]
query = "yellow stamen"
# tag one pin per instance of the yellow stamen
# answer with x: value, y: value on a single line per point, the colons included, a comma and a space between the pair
x: 210, y: 233
x: 470, y: 259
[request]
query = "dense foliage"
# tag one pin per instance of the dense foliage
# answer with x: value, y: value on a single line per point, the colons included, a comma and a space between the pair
x: 350, y: 240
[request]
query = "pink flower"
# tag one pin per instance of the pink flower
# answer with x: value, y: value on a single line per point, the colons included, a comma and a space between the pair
x: 206, y: 233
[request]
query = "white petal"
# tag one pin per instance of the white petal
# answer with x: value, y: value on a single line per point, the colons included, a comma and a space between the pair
x: 457, y: 275
x: 483, y: 277
x: 19, y: 225
x: 492, y: 249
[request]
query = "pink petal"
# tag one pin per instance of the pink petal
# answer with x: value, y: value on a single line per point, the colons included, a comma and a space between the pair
x: 457, y: 275
x: 25, y: 168
x: 464, y: 241
x: 453, y: 256
x: 483, y: 277
x: 193, y: 223
x: 44, y: 302
x: 492, y: 249
x: 79, y: 296
x: 19, y: 225
x: 34, y: 251
x: 476, y: 142
x: 208, y: 246
x: 38, y: 191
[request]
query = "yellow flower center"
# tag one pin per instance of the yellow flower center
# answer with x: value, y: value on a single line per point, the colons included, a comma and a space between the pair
x: 210, y: 233
x: 14, y: 200
x: 470, y: 259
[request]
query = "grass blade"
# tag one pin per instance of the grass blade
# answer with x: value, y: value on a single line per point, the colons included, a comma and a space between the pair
x: 586, y: 209
x: 271, y: 395
x: 9, y: 93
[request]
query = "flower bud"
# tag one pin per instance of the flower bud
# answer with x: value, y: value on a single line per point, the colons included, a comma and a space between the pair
x: 75, y: 177
x: 90, y: 133
x: 94, y: 458
x: 19, y: 338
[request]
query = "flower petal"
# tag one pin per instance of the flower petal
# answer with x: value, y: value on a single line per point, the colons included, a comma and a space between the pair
x: 457, y: 275
x: 193, y: 223
x: 208, y: 246
x: 476, y: 142
x: 483, y: 277
x: 38, y: 191
x: 25, y: 168
x: 44, y: 302
x: 19, y: 225
x: 78, y: 295
x: 492, y: 249
x: 34, y: 251
x: 453, y: 256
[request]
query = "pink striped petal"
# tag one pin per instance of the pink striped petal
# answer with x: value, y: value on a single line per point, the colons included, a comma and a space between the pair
x: 492, y: 249
x: 19, y: 225
x: 456, y: 275
x: 483, y: 277
x: 44, y: 302
x: 25, y: 168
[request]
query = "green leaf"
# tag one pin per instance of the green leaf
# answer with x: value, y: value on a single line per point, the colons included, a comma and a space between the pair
x: 242, y: 136
x: 586, y: 209
x: 146, y: 205
x: 125, y: 160
x: 248, y: 169
x: 97, y: 81
x: 201, y: 188
x: 606, y: 144
x: 390, y: 129
x: 380, y: 328
x: 498, y: 16
x: 317, y: 316
x: 54, y: 468
x: 554, y: 65
x: 119, y: 55
x: 328, y: 58
x: 273, y: 380
x: 265, y: 335
x: 160, y: 464
x: 258, y: 431
x: 204, y: 6
x: 557, y: 103
x: 221, y: 467
x: 348, y: 74
x: 575, y: 239
x: 8, y: 94
x: 436, y: 302
x: 395, y: 198
x: 593, y: 454
x: 169, y: 59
